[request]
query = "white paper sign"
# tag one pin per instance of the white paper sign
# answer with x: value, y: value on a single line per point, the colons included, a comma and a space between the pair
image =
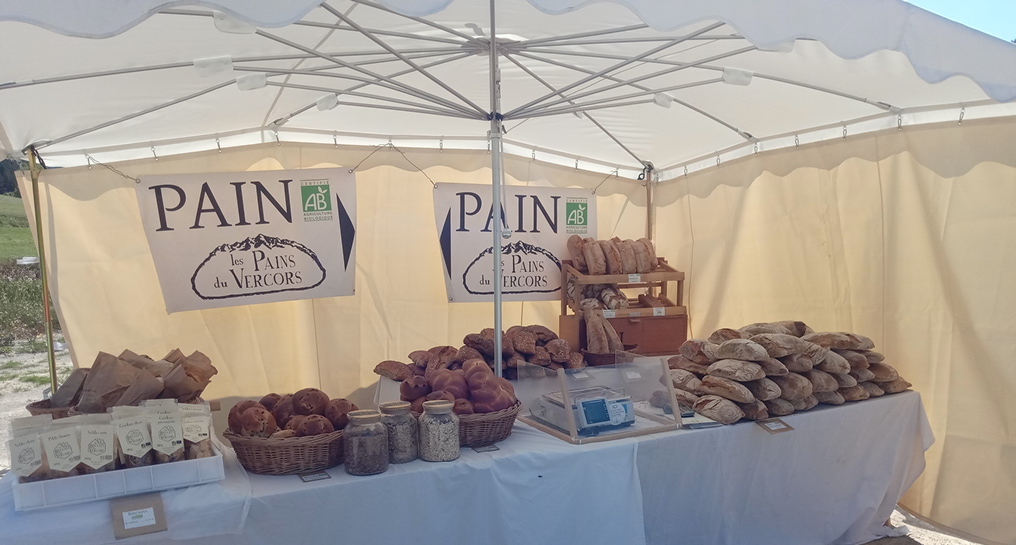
x: 538, y: 221
x: 138, y: 518
x: 240, y: 238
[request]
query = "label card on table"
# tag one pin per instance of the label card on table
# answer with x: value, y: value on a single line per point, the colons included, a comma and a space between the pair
x: 486, y: 448
x: 634, y: 278
x: 659, y: 311
x: 610, y: 314
x: 138, y: 515
x: 774, y: 425
x: 316, y: 476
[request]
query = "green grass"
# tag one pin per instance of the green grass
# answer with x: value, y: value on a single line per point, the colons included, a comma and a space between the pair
x: 16, y: 242
x: 35, y: 379
x: 10, y: 365
x: 12, y: 212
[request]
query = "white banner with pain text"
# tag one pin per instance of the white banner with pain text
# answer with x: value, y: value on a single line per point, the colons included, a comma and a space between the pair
x: 242, y: 238
x: 536, y: 223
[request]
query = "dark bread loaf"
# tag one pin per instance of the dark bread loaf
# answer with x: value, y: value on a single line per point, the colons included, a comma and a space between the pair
x: 269, y: 401
x: 257, y: 421
x: 628, y: 263
x: 233, y: 419
x: 755, y: 410
x: 395, y: 370
x: 314, y: 424
x: 683, y: 380
x: 778, y: 345
x: 310, y: 401
x: 894, y: 386
x: 873, y: 389
x: 804, y: 403
x: 797, y: 363
x: 283, y: 410
x: 336, y: 412
x: 416, y: 387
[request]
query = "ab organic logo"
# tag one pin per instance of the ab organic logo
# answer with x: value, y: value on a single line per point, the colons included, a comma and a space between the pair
x: 576, y: 215
x: 317, y: 200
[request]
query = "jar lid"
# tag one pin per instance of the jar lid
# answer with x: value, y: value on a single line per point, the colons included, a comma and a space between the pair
x: 364, y: 416
x: 394, y: 407
x: 438, y: 406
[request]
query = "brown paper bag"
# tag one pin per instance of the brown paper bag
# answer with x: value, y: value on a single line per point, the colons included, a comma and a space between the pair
x: 145, y: 386
x: 106, y: 382
x: 188, y: 379
x: 70, y: 391
x: 159, y: 368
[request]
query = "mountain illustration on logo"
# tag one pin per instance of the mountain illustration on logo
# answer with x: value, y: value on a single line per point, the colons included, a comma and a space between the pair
x: 258, y: 265
x: 526, y: 268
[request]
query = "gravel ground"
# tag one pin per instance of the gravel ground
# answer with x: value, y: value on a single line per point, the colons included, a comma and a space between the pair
x: 18, y: 390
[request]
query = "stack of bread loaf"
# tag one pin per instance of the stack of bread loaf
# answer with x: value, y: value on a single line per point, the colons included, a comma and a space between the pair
x: 473, y: 388
x: 307, y: 412
x: 533, y: 344
x: 775, y: 369
x: 614, y: 256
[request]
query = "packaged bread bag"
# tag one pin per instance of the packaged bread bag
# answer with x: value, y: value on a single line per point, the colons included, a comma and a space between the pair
x: 28, y: 461
x: 62, y: 447
x: 197, y: 430
x: 133, y: 434
x: 167, y: 430
x: 98, y: 443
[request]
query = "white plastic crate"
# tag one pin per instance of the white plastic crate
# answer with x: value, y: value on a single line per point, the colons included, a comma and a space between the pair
x: 113, y: 484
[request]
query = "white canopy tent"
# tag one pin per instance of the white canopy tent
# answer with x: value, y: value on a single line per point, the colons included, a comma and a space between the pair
x: 794, y: 148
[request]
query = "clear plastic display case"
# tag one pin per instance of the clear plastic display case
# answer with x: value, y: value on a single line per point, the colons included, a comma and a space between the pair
x: 630, y: 398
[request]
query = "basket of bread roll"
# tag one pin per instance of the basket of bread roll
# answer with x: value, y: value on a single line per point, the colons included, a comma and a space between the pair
x: 484, y: 402
x: 289, y: 434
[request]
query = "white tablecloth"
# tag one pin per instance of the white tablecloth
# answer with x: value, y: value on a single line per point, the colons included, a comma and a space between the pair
x: 834, y: 479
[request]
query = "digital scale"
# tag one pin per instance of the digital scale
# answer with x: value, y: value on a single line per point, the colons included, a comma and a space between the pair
x: 595, y: 409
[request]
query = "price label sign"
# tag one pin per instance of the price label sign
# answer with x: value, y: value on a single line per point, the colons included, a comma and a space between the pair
x: 774, y: 425
x: 659, y: 311
x: 610, y: 314
x: 138, y: 515
x: 634, y: 278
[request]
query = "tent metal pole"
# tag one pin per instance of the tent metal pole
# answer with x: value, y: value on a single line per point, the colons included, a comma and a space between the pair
x: 35, y: 169
x: 651, y: 177
x: 497, y: 173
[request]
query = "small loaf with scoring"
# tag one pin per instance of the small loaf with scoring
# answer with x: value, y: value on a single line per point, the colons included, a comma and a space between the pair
x: 718, y: 408
x: 596, y: 262
x: 793, y: 387
x: 732, y: 390
x: 395, y: 370
x: 741, y: 371
x: 741, y: 349
x: 763, y: 389
x: 575, y: 244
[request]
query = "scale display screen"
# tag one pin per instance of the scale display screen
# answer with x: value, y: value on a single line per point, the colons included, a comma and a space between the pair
x: 595, y: 411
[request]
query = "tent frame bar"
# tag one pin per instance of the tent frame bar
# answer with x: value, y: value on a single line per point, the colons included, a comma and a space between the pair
x: 497, y: 178
x: 35, y: 169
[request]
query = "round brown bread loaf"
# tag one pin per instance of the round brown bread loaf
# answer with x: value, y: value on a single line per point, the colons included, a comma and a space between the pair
x: 660, y: 399
x: 283, y: 410
x: 854, y: 393
x: 755, y: 410
x: 310, y: 401
x: 420, y: 358
x: 894, y: 386
x: 451, y: 381
x: 233, y: 419
x: 523, y: 341
x: 466, y: 353
x: 575, y: 361
x: 779, y: 407
x: 773, y: 367
x: 441, y: 395
x: 741, y: 349
x: 699, y: 351
x: 763, y: 389
x: 463, y: 406
x: 734, y: 391
x: 269, y: 401
x: 336, y: 411
x: 257, y: 421
x: 543, y: 333
x: 295, y: 421
x: 314, y: 424
x: 821, y: 381
x: 834, y: 363
x: 416, y: 386
x: 725, y: 334
x: 793, y: 386
x: 872, y: 389
x: 883, y: 373
x: 717, y: 408
x: 681, y: 362
x: 741, y: 371
x: 395, y: 370
x: 829, y: 398
x: 559, y: 350
x: 805, y: 403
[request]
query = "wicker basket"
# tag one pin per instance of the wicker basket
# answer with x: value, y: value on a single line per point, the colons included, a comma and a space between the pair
x: 43, y: 407
x: 287, y: 456
x: 487, y: 428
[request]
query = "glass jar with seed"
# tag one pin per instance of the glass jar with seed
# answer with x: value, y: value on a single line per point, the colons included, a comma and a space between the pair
x: 365, y: 443
x: 439, y: 432
x: 403, y: 431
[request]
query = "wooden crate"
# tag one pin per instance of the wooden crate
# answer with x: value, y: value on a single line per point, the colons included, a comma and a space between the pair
x: 654, y: 335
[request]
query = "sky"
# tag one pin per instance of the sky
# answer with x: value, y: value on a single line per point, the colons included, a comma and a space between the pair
x: 995, y: 17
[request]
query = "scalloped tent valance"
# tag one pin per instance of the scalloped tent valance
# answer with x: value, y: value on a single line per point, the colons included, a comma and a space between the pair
x: 602, y: 85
